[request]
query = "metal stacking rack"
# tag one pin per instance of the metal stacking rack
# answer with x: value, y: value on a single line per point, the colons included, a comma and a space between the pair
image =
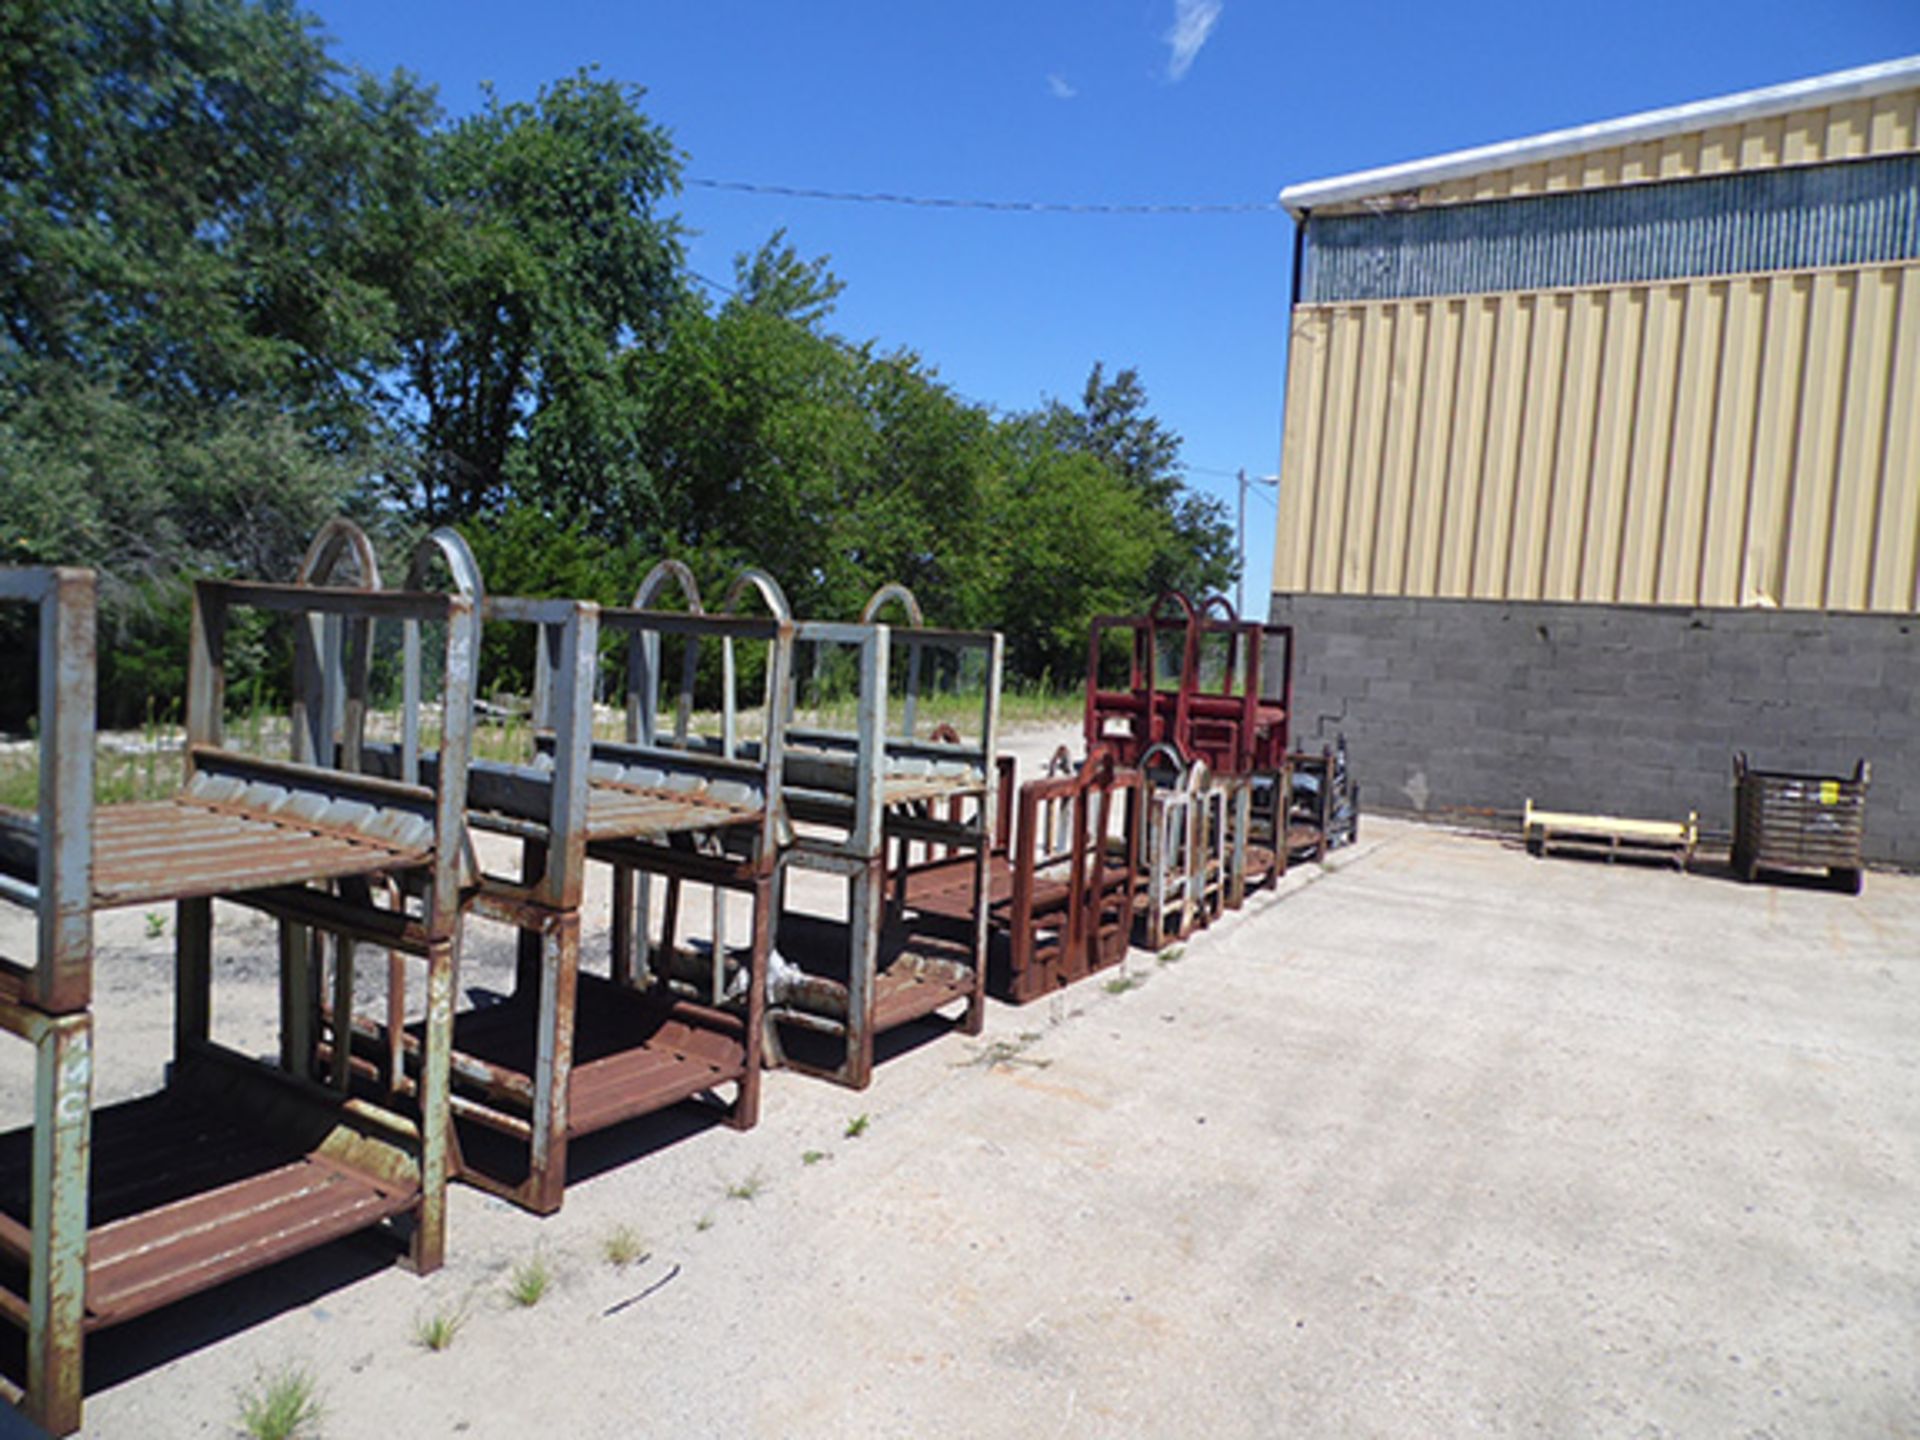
x: 840, y: 983
x: 1204, y: 714
x: 1323, y: 812
x: 1786, y: 820
x: 1227, y: 704
x: 1183, y: 833
x: 236, y: 1163
x: 719, y: 821
x: 1060, y: 899
x: 569, y: 1052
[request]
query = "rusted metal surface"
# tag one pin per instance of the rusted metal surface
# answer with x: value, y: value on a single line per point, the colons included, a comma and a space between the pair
x: 708, y: 810
x: 1200, y: 679
x: 890, y: 781
x: 54, y: 877
x: 1323, y: 805
x: 567, y: 1054
x: 181, y: 1189
x: 94, y: 1241
x: 1182, y: 839
x: 1061, y: 877
x: 1797, y: 821
x: 177, y: 849
x: 1215, y: 691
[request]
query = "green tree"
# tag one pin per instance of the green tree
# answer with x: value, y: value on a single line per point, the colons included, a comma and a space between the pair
x: 1196, y: 552
x: 922, y: 508
x: 1078, y: 542
x: 753, y: 428
x: 529, y: 551
x: 183, y: 192
x: 194, y: 306
x: 541, y: 268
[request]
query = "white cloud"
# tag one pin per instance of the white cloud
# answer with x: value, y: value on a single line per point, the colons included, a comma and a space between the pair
x: 1193, y: 22
x: 1059, y: 88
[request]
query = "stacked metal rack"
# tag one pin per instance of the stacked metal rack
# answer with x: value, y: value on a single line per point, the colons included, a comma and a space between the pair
x: 569, y: 1051
x: 1203, y: 712
x: 842, y: 982
x: 235, y: 1163
x: 1059, y: 898
x: 762, y: 761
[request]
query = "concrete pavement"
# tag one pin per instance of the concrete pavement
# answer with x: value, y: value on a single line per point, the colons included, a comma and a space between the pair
x: 1442, y: 1140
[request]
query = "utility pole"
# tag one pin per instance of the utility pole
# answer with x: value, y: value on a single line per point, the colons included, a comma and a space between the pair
x: 1240, y: 576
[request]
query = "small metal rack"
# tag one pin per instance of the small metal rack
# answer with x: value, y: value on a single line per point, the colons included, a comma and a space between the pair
x: 1061, y: 876
x: 1784, y: 820
x: 236, y: 1163
x: 1321, y: 802
x: 1213, y: 686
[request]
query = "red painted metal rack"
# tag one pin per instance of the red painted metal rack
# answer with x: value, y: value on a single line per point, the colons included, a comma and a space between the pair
x: 1202, y: 708
x: 109, y: 1214
x: 1060, y: 899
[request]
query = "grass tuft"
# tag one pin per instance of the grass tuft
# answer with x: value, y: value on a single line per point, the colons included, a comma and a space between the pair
x: 857, y: 1126
x: 530, y: 1281
x: 284, y: 1405
x: 1007, y: 1053
x: 435, y: 1331
x: 746, y: 1189
x: 623, y: 1247
x: 814, y: 1157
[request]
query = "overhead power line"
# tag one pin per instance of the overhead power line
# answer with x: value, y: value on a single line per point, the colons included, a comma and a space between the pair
x: 1027, y: 207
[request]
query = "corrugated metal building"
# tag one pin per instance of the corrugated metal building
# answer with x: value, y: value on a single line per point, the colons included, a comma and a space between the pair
x: 1602, y: 457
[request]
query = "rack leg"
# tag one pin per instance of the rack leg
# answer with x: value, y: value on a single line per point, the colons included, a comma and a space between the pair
x: 559, y: 948
x: 193, y: 975
x: 623, y: 926
x: 343, y: 953
x: 299, y: 998
x: 863, y: 935
x: 436, y: 1113
x: 1237, y: 852
x: 57, y: 1284
x: 746, y: 1104
x: 975, y: 1019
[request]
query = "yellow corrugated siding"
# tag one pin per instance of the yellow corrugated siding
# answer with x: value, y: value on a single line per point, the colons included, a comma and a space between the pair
x: 1884, y: 125
x: 1728, y: 441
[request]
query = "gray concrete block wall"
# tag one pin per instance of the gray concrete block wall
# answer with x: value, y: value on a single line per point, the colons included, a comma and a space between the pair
x: 1453, y: 706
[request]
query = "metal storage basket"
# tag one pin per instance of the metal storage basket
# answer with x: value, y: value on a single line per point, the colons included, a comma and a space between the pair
x: 1805, y: 822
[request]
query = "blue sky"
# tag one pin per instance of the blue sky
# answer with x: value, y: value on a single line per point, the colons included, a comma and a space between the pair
x: 1102, y: 102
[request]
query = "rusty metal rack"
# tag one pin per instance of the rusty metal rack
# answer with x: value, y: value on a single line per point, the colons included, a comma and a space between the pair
x: 1784, y: 820
x: 1322, y: 802
x: 1205, y: 714
x: 570, y: 1052
x: 1184, y: 846
x: 236, y: 1163
x: 1213, y: 686
x: 836, y: 983
x: 1060, y: 880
